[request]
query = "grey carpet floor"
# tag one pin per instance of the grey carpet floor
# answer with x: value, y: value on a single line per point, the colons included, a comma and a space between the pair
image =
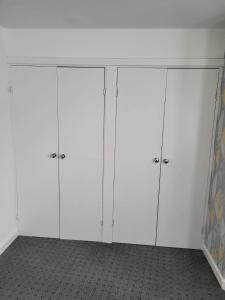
x: 39, y: 268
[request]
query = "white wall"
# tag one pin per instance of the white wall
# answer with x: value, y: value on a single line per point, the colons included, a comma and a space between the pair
x: 146, y: 43
x: 7, y: 180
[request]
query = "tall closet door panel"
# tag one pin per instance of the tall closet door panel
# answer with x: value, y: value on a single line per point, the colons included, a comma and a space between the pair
x: 189, y: 114
x: 140, y: 107
x: 34, y: 114
x: 81, y: 116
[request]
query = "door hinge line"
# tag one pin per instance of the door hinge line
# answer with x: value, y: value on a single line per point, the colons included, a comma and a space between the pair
x: 218, y: 87
x: 10, y: 89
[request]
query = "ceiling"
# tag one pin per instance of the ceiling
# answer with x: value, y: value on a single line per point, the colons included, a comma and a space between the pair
x: 112, y: 13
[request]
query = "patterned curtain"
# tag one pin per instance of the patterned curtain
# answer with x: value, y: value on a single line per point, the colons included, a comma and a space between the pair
x: 215, y: 222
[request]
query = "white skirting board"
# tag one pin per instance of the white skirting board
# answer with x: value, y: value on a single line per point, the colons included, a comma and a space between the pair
x: 214, y: 267
x: 8, y: 242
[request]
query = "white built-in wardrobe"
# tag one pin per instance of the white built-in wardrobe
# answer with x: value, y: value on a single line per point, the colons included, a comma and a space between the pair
x: 163, y: 125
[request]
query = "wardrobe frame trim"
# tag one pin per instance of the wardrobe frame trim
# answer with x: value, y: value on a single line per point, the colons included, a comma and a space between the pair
x: 111, y: 65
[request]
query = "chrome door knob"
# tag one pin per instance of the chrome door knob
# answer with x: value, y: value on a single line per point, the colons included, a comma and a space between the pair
x: 165, y: 161
x: 62, y: 156
x: 53, y: 155
x: 156, y: 160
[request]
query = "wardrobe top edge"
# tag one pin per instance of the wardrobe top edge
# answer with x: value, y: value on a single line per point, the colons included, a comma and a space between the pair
x: 119, y: 67
x: 158, y: 63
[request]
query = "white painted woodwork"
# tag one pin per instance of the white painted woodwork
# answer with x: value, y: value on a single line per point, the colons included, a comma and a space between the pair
x: 189, y: 113
x: 109, y: 146
x: 81, y: 117
x: 140, y: 106
x: 34, y: 111
x: 64, y: 198
x: 162, y: 63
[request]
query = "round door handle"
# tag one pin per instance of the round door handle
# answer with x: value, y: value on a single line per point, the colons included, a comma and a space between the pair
x: 156, y: 160
x: 165, y: 161
x: 53, y: 155
x: 62, y: 156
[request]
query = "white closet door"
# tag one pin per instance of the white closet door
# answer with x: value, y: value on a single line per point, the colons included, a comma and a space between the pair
x: 81, y: 116
x: 189, y: 115
x: 34, y: 114
x: 140, y: 106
